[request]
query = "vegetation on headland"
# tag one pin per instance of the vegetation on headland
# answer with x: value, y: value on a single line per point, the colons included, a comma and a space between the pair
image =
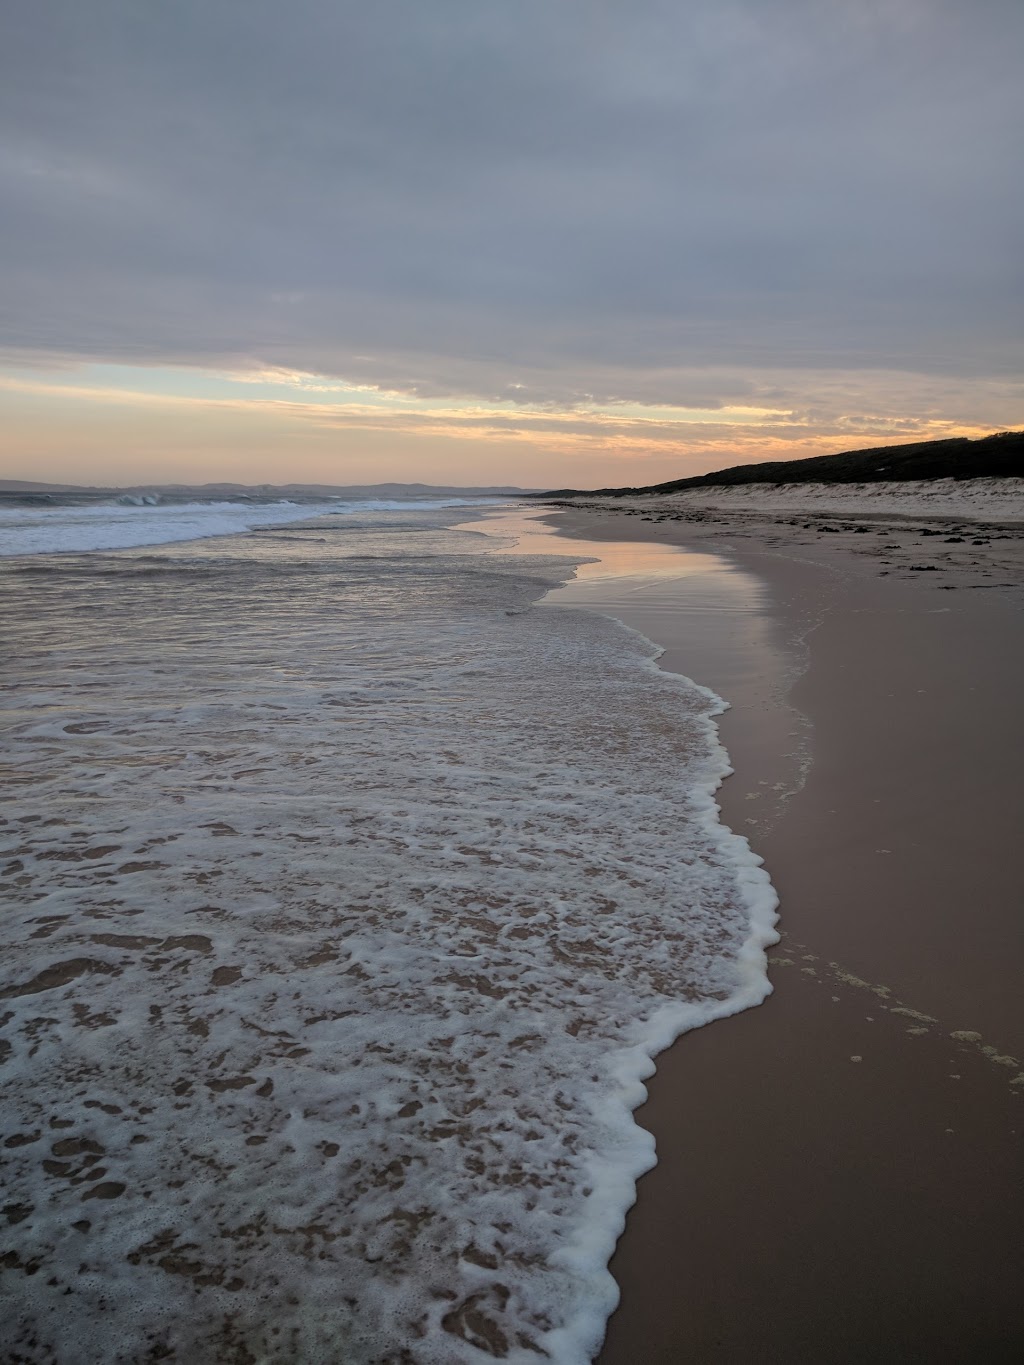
x: 998, y: 456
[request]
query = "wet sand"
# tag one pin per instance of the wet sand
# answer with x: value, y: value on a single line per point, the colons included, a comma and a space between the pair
x: 839, y: 1170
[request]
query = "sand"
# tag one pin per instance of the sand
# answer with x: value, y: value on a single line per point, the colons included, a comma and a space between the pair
x: 839, y: 1170
x: 992, y: 499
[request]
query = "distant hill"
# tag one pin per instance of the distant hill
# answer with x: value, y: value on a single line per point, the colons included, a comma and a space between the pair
x: 990, y: 457
x: 24, y: 490
x: 369, y: 490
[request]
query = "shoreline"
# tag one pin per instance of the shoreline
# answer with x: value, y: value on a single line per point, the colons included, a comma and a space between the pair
x: 807, y: 1205
x: 220, y: 750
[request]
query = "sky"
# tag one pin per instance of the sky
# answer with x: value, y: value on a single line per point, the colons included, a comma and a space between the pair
x: 539, y: 242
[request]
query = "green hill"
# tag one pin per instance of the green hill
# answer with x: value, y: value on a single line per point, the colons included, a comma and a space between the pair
x: 999, y: 456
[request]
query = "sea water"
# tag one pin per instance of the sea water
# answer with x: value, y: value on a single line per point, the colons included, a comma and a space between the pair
x: 347, y: 897
x: 67, y: 524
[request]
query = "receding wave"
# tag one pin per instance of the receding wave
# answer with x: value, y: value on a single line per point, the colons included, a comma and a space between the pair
x: 348, y: 901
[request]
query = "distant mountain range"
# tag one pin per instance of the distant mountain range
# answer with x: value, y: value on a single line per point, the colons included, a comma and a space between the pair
x: 998, y: 456
x: 27, y: 491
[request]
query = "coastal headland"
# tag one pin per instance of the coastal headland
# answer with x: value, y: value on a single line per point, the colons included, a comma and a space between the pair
x: 839, y: 1170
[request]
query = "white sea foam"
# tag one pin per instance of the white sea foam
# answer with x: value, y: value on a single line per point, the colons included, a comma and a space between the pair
x: 131, y: 522
x: 349, y: 899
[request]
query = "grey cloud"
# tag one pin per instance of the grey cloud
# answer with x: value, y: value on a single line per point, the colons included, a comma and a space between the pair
x: 475, y: 192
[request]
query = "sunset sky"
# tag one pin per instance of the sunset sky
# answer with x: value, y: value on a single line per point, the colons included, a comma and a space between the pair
x: 503, y: 241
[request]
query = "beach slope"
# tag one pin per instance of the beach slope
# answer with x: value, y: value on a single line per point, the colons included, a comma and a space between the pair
x: 839, y: 1170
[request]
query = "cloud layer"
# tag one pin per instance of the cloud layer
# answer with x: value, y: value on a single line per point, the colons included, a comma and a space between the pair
x: 554, y: 205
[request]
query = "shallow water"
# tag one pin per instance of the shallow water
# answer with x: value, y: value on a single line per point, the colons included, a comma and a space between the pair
x: 347, y: 897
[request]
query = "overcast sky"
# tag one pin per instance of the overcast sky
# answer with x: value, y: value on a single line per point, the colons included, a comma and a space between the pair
x: 490, y: 240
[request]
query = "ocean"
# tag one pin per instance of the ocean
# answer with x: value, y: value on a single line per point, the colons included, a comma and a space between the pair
x: 348, y: 894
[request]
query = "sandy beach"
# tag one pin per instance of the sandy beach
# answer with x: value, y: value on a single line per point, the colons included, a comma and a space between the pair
x: 839, y: 1170
x: 319, y: 941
